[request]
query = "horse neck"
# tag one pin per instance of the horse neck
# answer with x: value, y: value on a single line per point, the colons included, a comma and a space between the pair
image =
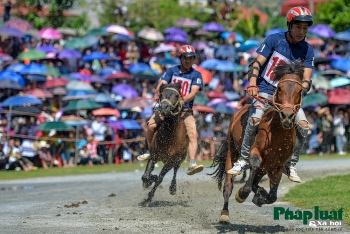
x: 172, y: 123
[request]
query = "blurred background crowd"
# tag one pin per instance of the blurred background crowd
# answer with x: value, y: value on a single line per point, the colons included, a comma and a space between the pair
x: 68, y: 100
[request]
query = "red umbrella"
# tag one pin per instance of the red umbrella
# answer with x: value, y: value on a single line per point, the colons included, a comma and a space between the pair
x: 59, y: 82
x: 133, y: 102
x: 339, y: 96
x: 315, y: 41
x: 206, y: 109
x: 206, y: 74
x: 119, y: 75
x: 216, y: 94
x: 106, y: 112
x: 39, y: 93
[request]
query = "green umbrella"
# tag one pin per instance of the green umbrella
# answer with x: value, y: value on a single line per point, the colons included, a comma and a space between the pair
x: 82, y: 105
x: 79, y: 85
x: 76, y: 43
x: 314, y: 99
x: 52, y: 71
x: 200, y: 99
x: 54, y: 125
x: 32, y: 55
x: 97, y: 32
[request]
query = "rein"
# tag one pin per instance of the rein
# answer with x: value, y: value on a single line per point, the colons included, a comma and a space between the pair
x: 278, y: 106
x: 173, y: 106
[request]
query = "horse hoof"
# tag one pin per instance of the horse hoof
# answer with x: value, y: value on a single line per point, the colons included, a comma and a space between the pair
x: 145, y: 185
x: 225, y: 219
x: 238, y: 199
x: 172, y: 191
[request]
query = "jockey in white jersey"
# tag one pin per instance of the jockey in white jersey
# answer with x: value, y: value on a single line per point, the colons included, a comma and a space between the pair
x: 278, y: 48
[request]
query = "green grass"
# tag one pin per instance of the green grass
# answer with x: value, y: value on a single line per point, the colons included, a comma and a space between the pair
x: 81, y: 170
x: 329, y: 193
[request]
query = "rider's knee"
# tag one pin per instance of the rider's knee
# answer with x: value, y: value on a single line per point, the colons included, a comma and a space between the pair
x: 254, y: 120
x: 303, y: 124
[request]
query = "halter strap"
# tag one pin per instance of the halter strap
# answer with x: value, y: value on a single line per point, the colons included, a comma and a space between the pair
x: 177, y: 104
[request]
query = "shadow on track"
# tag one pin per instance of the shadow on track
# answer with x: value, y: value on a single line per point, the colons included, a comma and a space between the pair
x: 164, y: 204
x: 240, y: 229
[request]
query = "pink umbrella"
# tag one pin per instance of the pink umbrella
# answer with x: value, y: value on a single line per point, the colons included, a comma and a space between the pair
x: 118, y: 29
x: 217, y: 101
x: 50, y: 33
x: 20, y: 24
x: 39, y: 93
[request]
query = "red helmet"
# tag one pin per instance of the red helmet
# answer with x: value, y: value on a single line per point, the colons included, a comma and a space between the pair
x: 301, y: 14
x: 187, y: 50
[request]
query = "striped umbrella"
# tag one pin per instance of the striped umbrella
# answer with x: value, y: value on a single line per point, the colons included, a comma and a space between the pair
x: 20, y: 24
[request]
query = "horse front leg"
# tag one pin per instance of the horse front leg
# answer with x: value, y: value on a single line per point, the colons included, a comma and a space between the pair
x: 156, y: 184
x: 147, y: 177
x: 260, y: 192
x: 227, y: 190
x: 172, y: 188
x: 244, y: 192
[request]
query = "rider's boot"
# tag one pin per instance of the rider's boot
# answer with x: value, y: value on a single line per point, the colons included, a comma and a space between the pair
x: 248, y: 140
x: 290, y: 169
x: 193, y: 168
x: 149, y: 138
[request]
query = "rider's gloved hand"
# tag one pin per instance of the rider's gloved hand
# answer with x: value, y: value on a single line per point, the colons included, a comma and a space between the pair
x: 253, y: 90
x: 156, y: 94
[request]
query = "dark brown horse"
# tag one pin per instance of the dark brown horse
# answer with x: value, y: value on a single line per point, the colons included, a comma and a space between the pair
x: 273, y: 145
x: 169, y: 143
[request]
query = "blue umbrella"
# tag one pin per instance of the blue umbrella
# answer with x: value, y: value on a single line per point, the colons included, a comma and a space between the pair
x: 226, y: 66
x: 9, y: 84
x: 226, y: 35
x: 107, y: 71
x: 344, y: 36
x: 95, y: 55
x: 221, y: 108
x: 103, y: 98
x: 36, y: 77
x: 130, y: 124
x: 34, y: 68
x: 210, y: 63
x: 230, y: 95
x: 177, y: 38
x: 67, y: 54
x: 248, y: 44
x: 119, y: 37
x: 138, y: 67
x: 21, y: 100
x: 274, y: 31
x: 7, y: 75
x: 339, y: 81
x: 79, y: 94
x: 226, y: 51
x: 341, y: 64
x: 166, y: 61
x: 16, y: 67
x: 213, y: 27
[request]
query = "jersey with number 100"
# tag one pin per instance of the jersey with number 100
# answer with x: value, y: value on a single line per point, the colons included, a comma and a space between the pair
x: 277, y: 50
x: 187, y: 80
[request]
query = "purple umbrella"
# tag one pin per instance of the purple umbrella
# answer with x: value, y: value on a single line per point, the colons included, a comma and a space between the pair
x: 200, y: 45
x: 177, y: 38
x: 188, y: 23
x: 125, y: 90
x: 80, y: 76
x: 175, y: 31
x: 69, y: 54
x: 116, y: 124
x: 213, y: 27
x: 322, y: 30
x: 47, y: 49
x: 14, y: 32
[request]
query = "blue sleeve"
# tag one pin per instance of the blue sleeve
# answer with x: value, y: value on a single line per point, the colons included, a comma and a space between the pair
x: 309, y: 58
x: 266, y: 47
x: 168, y: 75
x: 198, y: 80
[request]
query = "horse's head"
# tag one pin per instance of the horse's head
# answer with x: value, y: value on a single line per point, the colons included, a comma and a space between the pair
x: 169, y: 99
x: 288, y: 95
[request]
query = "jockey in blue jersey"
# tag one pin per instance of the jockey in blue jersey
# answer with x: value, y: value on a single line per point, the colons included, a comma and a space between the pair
x: 191, y: 83
x: 278, y: 48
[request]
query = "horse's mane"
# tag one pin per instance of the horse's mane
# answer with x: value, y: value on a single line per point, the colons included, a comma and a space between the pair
x: 176, y: 86
x: 296, y: 68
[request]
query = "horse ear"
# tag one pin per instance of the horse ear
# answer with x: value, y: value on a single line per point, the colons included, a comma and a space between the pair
x: 178, y: 86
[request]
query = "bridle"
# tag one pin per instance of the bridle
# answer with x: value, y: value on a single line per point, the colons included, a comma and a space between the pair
x: 279, y: 107
x: 173, y: 106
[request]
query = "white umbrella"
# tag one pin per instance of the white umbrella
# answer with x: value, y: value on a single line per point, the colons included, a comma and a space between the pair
x: 118, y: 30
x: 79, y: 85
x: 151, y: 34
x: 164, y: 48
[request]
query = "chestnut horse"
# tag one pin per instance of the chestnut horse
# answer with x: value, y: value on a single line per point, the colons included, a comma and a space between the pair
x: 169, y: 143
x: 273, y: 145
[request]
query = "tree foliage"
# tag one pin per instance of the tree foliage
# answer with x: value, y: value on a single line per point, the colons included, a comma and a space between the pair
x: 334, y: 13
x: 56, y: 17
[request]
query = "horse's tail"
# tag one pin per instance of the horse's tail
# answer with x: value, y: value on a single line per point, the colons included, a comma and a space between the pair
x: 219, y: 163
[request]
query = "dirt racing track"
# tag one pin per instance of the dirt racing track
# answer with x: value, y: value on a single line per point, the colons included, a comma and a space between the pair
x: 112, y: 203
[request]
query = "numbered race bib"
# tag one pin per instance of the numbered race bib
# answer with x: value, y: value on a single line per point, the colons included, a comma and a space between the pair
x: 275, y: 60
x: 185, y: 84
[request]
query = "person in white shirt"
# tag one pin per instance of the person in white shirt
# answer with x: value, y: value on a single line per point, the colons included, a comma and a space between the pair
x: 99, y: 130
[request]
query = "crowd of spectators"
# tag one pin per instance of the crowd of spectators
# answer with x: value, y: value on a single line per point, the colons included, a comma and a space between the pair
x: 22, y: 147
